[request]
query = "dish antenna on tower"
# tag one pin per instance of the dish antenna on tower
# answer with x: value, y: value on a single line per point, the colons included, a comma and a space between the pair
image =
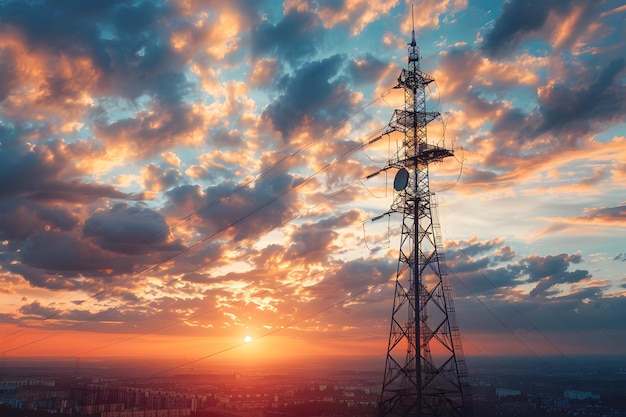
x: 401, y: 180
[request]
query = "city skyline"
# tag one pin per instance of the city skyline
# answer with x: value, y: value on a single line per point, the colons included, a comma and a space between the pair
x: 180, y: 176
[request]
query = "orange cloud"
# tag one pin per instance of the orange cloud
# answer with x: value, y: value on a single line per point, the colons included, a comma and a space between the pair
x: 427, y: 14
x: 264, y: 72
x: 357, y: 13
x: 566, y: 27
x: 155, y: 130
x: 214, y: 32
x: 464, y: 70
x: 47, y: 85
x: 604, y: 216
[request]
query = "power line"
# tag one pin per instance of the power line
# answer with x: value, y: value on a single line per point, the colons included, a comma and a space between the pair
x: 502, y: 323
x: 336, y: 161
x: 262, y: 292
x: 517, y: 310
x: 241, y: 187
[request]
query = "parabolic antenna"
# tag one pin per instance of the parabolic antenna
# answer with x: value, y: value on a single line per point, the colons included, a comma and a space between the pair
x: 401, y: 180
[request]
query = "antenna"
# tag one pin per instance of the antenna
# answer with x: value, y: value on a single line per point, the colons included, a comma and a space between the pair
x: 413, y: 43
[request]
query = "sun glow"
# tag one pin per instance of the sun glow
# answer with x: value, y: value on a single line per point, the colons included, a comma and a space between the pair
x: 247, y: 339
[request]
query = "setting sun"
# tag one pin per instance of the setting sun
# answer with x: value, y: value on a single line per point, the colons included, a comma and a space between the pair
x: 247, y: 339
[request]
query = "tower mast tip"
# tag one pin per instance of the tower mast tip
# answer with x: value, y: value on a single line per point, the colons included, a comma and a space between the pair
x: 413, y: 43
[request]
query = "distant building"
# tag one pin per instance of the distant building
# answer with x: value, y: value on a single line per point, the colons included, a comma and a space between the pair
x: 571, y: 394
x: 504, y: 392
x: 148, y: 413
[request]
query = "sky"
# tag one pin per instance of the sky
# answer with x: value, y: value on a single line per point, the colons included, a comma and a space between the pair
x: 178, y: 175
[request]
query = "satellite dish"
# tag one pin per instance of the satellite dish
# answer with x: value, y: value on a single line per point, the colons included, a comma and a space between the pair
x: 401, y: 180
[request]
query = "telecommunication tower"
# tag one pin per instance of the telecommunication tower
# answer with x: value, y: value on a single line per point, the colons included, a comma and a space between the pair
x: 425, y: 372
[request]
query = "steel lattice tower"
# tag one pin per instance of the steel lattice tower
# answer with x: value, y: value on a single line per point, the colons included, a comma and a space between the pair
x: 425, y: 373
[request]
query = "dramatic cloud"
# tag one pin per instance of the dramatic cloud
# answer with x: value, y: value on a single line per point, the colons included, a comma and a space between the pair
x: 128, y: 230
x: 295, y: 37
x: 311, y: 97
x: 552, y: 270
x: 517, y: 19
x: 602, y: 100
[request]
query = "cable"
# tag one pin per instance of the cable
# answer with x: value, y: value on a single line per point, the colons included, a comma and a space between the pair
x: 337, y: 160
x: 267, y: 170
x: 168, y: 284
x: 458, y: 178
x: 388, y: 241
x: 283, y: 223
x: 211, y: 236
x: 217, y: 309
x: 438, y: 94
x: 370, y: 192
x: 444, y: 127
x: 382, y: 96
x: 376, y: 162
x: 482, y: 273
x: 502, y: 323
x: 262, y: 292
x: 220, y: 200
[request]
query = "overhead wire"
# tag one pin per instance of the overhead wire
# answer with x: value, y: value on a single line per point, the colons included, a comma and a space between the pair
x: 218, y: 232
x: 269, y: 169
x: 438, y: 93
x: 517, y: 310
x: 461, y: 162
x: 235, y: 249
x: 371, y: 159
x: 204, y: 313
x: 456, y: 181
x: 205, y: 239
x: 198, y: 213
x: 100, y: 315
x: 383, y: 94
x: 302, y: 183
x: 257, y: 294
x: 221, y: 199
x: 388, y: 241
x: 499, y: 320
x: 282, y: 327
x: 371, y: 192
